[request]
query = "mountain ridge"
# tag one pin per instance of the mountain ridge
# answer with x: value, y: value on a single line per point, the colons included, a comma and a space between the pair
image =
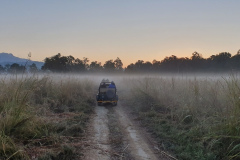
x: 9, y: 58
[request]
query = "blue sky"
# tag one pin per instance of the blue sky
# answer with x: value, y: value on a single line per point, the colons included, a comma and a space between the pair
x: 131, y: 30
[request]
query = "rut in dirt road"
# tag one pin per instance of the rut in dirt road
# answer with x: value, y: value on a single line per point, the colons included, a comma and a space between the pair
x: 99, y: 137
x: 135, y: 145
x: 139, y: 148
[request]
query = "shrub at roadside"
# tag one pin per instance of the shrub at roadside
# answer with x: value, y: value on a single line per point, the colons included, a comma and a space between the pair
x: 194, y: 118
x: 43, y: 116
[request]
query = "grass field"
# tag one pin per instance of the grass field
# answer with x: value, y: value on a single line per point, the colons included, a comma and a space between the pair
x: 193, y: 117
x: 43, y: 116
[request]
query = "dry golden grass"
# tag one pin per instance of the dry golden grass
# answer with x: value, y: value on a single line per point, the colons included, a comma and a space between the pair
x: 43, y: 116
x: 195, y: 117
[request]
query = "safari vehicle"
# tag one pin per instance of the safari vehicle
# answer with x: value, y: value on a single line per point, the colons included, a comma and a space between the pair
x: 107, y: 93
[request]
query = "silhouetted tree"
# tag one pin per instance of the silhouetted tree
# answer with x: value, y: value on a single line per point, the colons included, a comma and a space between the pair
x: 147, y: 67
x: 235, y: 61
x: 220, y: 62
x: 79, y: 66
x: 16, y: 68
x: 156, y: 65
x: 95, y: 66
x: 60, y: 63
x: 139, y: 64
x: 196, y: 56
x: 109, y: 66
x: 118, y: 64
x: 184, y: 65
x: 197, y: 62
x: 170, y: 64
x: 2, y: 69
x: 69, y: 63
x: 130, y: 68
x: 55, y: 63
x: 85, y: 62
x: 33, y: 68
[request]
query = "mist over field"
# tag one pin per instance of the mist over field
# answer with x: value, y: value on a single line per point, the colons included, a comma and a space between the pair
x: 120, y: 80
x: 189, y: 115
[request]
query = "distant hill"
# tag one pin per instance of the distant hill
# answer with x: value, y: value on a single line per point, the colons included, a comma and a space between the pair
x: 9, y: 58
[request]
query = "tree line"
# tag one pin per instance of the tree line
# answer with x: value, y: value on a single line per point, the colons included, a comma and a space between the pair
x: 221, y: 62
x: 64, y: 64
x: 18, y: 68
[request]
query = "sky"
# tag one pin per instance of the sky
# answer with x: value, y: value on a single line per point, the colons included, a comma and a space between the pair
x: 129, y: 29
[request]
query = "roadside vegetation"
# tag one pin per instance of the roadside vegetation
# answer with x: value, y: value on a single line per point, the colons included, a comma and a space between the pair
x: 191, y: 117
x: 43, y: 117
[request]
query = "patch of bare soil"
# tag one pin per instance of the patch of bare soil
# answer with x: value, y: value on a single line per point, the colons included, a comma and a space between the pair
x: 118, y: 141
x: 114, y: 135
x: 98, y: 147
x: 138, y: 147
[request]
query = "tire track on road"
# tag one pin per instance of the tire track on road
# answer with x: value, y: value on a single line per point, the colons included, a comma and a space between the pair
x: 99, y: 138
x: 138, y: 148
x: 135, y: 145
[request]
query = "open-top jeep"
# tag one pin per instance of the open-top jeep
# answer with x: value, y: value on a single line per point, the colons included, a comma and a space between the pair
x: 107, y: 93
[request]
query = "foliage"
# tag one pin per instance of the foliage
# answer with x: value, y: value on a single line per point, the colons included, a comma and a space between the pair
x: 95, y: 67
x: 193, y: 117
x: 215, y: 63
x: 63, y: 64
x: 33, y: 68
x: 222, y: 62
x: 39, y: 113
x: 16, y: 68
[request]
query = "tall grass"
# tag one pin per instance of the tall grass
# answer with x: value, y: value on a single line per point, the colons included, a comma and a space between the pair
x: 35, y: 111
x: 194, y: 117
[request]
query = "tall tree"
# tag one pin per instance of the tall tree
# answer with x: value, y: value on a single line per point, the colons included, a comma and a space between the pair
x: 156, y: 65
x: 16, y: 68
x: 196, y: 56
x: 58, y: 63
x: 33, y: 68
x: 109, y: 66
x: 170, y: 64
x: 147, y: 66
x: 130, y: 68
x: 197, y: 62
x: 118, y: 64
x: 79, y: 65
x: 95, y: 66
x: 220, y: 62
x: 139, y: 65
x: 85, y: 62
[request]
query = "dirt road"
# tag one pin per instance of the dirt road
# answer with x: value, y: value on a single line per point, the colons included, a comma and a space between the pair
x: 136, y: 143
x: 98, y: 132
